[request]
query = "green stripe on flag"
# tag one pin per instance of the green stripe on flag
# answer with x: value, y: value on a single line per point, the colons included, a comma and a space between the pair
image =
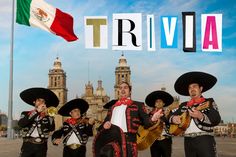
x: 23, y: 12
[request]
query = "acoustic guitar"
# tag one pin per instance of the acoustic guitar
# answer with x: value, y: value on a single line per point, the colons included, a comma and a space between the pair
x: 146, y: 137
x: 178, y: 129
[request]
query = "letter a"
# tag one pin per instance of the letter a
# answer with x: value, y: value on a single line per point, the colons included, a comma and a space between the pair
x: 212, y: 32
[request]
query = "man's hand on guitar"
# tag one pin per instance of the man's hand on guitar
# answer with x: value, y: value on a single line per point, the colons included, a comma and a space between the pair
x: 196, y: 114
x: 176, y: 120
x: 157, y: 115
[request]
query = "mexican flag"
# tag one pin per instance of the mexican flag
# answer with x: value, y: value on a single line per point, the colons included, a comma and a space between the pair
x: 40, y: 14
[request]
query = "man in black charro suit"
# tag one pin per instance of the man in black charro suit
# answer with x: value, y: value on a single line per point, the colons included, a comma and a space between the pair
x: 75, y: 130
x: 159, y: 100
x: 126, y: 115
x: 36, y: 124
x: 198, y: 137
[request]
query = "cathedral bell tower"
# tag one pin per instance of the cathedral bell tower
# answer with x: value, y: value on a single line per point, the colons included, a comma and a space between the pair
x: 57, y: 84
x: 122, y: 73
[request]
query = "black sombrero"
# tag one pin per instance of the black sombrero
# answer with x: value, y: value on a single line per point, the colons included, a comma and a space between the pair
x: 164, y: 96
x: 31, y: 94
x: 110, y: 103
x: 207, y: 81
x: 81, y: 104
x: 109, y: 143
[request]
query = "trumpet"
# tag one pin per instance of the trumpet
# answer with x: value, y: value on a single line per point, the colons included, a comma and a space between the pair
x: 51, y: 111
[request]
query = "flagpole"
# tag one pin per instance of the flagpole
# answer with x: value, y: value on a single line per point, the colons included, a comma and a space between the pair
x: 10, y: 98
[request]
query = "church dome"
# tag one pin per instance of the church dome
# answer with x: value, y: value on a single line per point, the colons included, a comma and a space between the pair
x: 123, y: 61
x: 57, y: 64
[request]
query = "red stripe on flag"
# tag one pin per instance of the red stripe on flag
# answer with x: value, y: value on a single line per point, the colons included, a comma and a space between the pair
x: 63, y: 26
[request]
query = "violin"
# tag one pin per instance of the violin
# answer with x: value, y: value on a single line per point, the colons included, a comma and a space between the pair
x: 87, y: 120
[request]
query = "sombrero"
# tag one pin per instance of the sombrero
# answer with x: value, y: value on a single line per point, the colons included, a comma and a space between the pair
x: 164, y: 96
x: 207, y: 81
x: 109, y: 143
x: 31, y: 94
x: 110, y: 103
x: 81, y: 104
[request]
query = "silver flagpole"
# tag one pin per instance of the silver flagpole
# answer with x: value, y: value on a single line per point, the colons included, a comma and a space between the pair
x: 9, y: 121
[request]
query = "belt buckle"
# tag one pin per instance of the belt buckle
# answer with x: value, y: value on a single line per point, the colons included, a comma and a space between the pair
x: 193, y: 134
x: 38, y: 140
x: 74, y: 146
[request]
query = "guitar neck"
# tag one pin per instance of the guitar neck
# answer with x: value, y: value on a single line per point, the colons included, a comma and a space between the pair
x: 202, y: 106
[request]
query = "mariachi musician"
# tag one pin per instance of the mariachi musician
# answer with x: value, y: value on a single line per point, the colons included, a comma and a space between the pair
x: 37, y: 124
x: 75, y: 130
x: 199, y: 137
x: 159, y: 100
x: 127, y: 115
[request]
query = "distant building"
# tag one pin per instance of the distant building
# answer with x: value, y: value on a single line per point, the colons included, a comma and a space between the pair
x: 221, y: 129
x: 3, y: 119
x: 3, y: 125
x: 232, y: 129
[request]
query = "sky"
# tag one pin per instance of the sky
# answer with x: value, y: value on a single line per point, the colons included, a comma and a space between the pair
x: 35, y: 51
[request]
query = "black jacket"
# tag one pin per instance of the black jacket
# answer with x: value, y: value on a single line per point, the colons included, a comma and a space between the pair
x: 29, y: 121
x: 81, y: 130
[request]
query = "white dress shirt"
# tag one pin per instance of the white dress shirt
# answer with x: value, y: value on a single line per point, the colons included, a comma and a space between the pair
x: 118, y: 117
x: 192, y: 128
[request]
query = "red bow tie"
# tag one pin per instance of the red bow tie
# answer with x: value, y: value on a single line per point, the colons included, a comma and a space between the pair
x: 195, y: 101
x: 123, y: 101
x: 41, y: 114
x: 71, y: 121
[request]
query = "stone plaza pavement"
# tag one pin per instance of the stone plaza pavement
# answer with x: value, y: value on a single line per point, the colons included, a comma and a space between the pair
x: 226, y: 147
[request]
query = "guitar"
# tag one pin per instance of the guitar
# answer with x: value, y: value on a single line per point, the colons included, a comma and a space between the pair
x: 146, y: 137
x: 178, y: 129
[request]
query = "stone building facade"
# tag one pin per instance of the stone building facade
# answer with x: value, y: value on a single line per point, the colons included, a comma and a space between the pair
x: 122, y: 73
x: 57, y: 84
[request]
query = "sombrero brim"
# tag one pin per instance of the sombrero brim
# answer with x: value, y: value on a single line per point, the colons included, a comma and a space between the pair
x: 81, y: 104
x: 164, y: 96
x: 110, y: 103
x: 207, y: 81
x: 31, y: 94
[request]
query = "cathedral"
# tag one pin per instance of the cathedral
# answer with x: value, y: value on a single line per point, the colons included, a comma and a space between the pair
x: 95, y: 98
